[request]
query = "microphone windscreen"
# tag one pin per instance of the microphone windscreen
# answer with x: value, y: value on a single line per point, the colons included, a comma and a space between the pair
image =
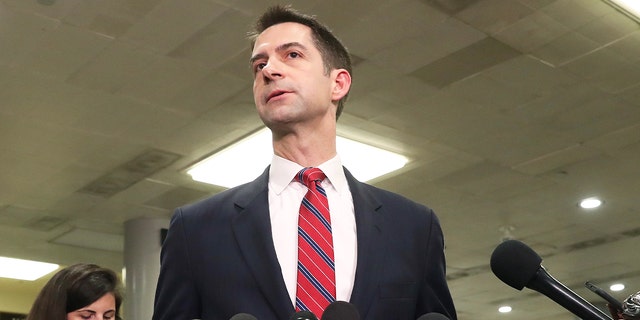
x: 340, y: 310
x: 303, y: 315
x: 515, y: 263
x: 433, y: 316
x: 243, y: 316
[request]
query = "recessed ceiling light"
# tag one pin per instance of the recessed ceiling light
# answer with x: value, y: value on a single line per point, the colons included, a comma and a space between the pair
x: 617, y: 287
x: 245, y: 160
x: 504, y: 309
x: 628, y: 7
x: 24, y: 269
x: 590, y: 203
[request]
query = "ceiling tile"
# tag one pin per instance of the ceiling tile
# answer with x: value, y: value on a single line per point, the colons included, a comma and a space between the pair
x: 609, y: 28
x: 502, y: 147
x: 170, y: 23
x: 164, y: 80
x: 465, y: 62
x: 530, y: 74
x: 410, y: 53
x: 91, y: 239
x: 118, y: 64
x: 531, y: 32
x: 577, y: 13
x: 226, y: 26
x: 63, y: 51
x: 371, y: 33
x: 20, y: 33
x: 493, y: 95
x: 491, y: 16
x: 564, y: 49
x: 554, y: 160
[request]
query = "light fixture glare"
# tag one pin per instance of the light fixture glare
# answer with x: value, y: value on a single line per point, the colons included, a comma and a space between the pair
x: 617, y: 287
x: 504, y: 309
x: 24, y: 269
x: 366, y: 162
x: 236, y: 164
x: 245, y: 160
x: 590, y: 203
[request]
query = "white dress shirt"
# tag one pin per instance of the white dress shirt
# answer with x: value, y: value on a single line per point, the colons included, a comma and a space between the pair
x: 285, y: 197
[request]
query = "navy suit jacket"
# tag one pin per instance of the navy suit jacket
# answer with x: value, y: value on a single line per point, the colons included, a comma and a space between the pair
x: 218, y: 258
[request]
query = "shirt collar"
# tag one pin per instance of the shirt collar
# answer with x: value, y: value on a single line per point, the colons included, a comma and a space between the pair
x: 282, y: 171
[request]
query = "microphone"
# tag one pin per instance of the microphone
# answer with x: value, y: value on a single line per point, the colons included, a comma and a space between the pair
x: 604, y: 295
x: 243, y: 316
x: 518, y: 266
x: 631, y: 306
x: 433, y: 316
x: 303, y: 315
x: 340, y: 310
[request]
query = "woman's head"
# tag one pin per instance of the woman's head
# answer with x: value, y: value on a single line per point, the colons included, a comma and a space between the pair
x: 73, y: 289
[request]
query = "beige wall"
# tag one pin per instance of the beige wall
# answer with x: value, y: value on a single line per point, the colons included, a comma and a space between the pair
x: 16, y: 302
x: 17, y: 296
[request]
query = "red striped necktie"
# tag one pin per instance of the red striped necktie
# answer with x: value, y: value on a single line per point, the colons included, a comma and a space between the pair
x: 316, y: 271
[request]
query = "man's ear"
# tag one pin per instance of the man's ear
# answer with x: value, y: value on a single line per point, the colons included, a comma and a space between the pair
x: 341, y: 84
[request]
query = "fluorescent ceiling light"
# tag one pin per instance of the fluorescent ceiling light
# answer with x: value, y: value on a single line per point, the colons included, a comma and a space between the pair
x: 245, y: 160
x: 629, y: 7
x: 24, y: 269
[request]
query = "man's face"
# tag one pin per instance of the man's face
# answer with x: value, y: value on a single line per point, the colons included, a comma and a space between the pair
x: 290, y: 84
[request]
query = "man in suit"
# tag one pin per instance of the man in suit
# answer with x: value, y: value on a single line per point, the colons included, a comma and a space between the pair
x: 237, y: 251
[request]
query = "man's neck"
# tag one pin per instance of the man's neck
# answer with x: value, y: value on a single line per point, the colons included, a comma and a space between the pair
x: 307, y: 150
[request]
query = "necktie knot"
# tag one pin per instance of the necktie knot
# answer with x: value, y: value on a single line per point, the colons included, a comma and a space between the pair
x: 310, y: 176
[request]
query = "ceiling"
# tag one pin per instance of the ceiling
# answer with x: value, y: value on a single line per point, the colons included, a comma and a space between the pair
x: 510, y: 111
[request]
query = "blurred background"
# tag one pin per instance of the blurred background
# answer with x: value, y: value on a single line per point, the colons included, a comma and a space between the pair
x: 509, y: 111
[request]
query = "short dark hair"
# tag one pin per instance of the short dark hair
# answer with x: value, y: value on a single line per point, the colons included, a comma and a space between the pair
x: 75, y: 287
x: 334, y: 53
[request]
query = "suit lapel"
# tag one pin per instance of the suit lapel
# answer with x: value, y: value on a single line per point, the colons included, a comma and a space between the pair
x: 252, y: 230
x: 370, y: 248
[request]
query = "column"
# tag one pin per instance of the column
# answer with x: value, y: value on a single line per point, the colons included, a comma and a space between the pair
x: 142, y: 243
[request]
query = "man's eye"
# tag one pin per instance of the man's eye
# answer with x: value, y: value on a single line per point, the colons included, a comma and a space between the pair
x: 259, y: 66
x: 293, y: 54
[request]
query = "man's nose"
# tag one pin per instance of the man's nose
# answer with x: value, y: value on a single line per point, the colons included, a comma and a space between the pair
x: 271, y: 70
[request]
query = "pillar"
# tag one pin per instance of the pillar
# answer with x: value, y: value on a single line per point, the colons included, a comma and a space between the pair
x: 142, y: 243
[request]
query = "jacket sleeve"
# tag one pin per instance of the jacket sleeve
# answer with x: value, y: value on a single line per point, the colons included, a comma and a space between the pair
x: 436, y: 296
x: 177, y: 295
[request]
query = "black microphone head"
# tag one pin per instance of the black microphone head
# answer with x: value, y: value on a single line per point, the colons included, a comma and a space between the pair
x: 340, y: 310
x: 243, y: 316
x: 433, y: 316
x: 303, y: 315
x: 515, y: 263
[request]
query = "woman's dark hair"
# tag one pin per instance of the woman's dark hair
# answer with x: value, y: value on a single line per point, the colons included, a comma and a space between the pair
x: 72, y: 288
x: 334, y: 54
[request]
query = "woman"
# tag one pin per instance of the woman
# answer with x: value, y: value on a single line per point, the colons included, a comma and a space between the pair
x: 79, y: 292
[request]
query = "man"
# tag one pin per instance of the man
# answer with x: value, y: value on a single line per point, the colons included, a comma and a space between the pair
x: 237, y: 252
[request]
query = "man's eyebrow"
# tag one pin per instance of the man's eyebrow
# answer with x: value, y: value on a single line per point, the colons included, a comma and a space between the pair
x: 279, y: 48
x: 288, y: 45
x: 256, y: 57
